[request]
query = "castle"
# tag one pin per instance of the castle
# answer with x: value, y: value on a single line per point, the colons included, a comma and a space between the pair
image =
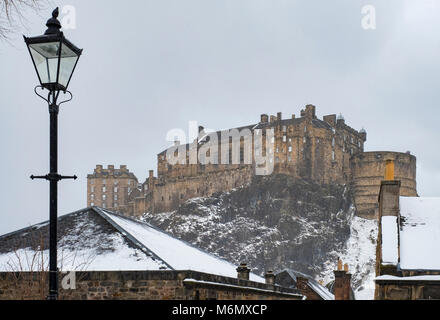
x: 326, y: 151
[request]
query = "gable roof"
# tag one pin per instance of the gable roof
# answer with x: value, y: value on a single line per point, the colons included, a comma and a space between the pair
x: 95, y: 239
x: 318, y: 288
x: 419, y: 233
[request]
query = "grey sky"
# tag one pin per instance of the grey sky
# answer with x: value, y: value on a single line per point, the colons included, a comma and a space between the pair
x: 150, y: 66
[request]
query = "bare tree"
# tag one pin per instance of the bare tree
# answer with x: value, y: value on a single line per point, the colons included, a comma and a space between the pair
x: 11, y: 14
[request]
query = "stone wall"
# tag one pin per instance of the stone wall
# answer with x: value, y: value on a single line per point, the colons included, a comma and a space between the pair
x: 305, y: 147
x: 110, y: 187
x: 368, y: 171
x: 407, y: 290
x: 142, y: 285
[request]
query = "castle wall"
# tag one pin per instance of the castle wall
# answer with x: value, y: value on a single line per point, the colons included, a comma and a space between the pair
x: 368, y: 170
x: 167, y: 196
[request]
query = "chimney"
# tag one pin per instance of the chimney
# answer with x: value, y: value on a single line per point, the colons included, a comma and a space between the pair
x: 270, y: 277
x: 264, y: 118
x: 98, y: 168
x: 272, y: 119
x: 123, y: 168
x: 279, y: 116
x: 389, y: 198
x: 176, y: 142
x: 330, y: 119
x: 201, y: 129
x: 342, y: 287
x: 389, y: 170
x: 293, y: 116
x: 243, y: 272
x: 111, y: 167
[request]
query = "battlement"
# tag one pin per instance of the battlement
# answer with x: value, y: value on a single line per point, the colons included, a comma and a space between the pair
x: 325, y: 151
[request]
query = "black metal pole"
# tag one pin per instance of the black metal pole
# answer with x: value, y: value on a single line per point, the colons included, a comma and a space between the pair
x: 53, y: 211
x: 53, y: 177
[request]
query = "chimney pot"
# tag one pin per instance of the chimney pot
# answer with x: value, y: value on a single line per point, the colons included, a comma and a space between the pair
x: 243, y: 271
x: 342, y: 286
x: 269, y: 277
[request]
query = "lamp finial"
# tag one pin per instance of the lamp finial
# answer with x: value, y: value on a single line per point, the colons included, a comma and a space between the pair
x: 53, y: 25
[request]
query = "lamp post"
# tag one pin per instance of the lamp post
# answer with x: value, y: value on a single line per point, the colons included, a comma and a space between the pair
x: 54, y: 58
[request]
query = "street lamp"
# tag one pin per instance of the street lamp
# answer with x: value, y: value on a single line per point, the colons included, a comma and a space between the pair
x: 54, y: 58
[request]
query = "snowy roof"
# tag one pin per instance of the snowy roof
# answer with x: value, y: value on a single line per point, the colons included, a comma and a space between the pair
x: 389, y: 240
x: 95, y: 239
x: 412, y: 278
x: 179, y: 255
x: 419, y: 233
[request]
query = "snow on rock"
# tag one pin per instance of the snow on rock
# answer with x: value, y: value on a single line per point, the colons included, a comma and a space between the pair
x: 278, y: 222
x: 360, y: 255
x: 178, y: 254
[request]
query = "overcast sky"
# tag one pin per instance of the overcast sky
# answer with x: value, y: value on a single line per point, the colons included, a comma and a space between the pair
x: 150, y: 66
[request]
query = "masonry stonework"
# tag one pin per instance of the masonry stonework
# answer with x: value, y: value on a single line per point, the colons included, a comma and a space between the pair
x: 326, y: 151
x: 143, y: 285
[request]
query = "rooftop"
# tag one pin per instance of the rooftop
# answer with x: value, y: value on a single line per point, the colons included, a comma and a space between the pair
x: 95, y: 239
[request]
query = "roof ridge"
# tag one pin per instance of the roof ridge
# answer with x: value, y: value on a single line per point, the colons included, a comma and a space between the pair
x: 44, y: 222
x: 102, y: 213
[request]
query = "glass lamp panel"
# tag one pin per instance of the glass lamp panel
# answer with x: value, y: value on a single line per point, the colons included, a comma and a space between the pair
x: 45, y: 56
x: 67, y: 64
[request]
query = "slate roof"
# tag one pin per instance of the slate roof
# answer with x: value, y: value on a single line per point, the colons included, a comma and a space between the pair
x: 95, y: 239
x: 319, y: 289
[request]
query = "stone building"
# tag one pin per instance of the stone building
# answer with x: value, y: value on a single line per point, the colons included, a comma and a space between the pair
x: 108, y: 256
x: 326, y: 151
x: 110, y: 188
x: 407, y: 256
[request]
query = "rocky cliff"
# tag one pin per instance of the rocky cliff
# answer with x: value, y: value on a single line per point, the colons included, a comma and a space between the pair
x: 278, y: 222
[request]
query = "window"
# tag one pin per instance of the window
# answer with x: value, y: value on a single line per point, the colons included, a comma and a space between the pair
x: 333, y: 156
x: 289, y: 158
x: 278, y: 150
x: 272, y: 140
x: 104, y: 189
x: 284, y: 128
x: 115, y: 189
x: 115, y: 205
x: 290, y: 148
x: 92, y: 181
x: 103, y: 181
x: 92, y: 204
x: 115, y: 183
x: 104, y: 197
x: 290, y: 139
x: 304, y: 140
x: 116, y: 197
x: 128, y: 190
x: 104, y: 205
x: 284, y: 138
x: 305, y: 128
x: 92, y: 197
x: 333, y: 142
x: 92, y: 189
